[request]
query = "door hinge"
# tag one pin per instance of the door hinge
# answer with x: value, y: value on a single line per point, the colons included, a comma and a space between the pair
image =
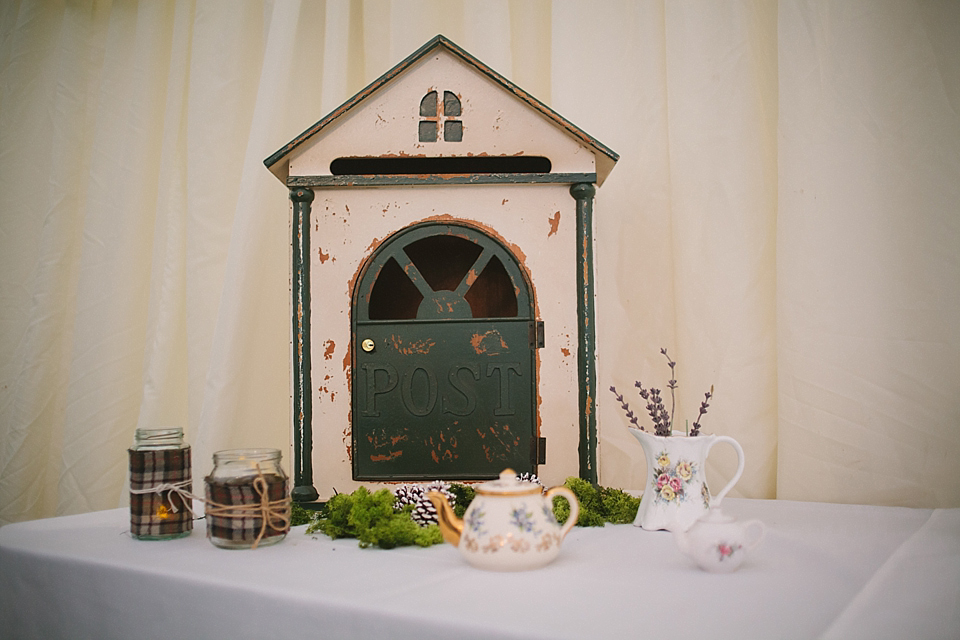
x: 537, y: 334
x: 538, y: 451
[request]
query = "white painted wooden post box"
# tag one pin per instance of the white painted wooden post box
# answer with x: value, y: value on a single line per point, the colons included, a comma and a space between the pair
x: 442, y: 282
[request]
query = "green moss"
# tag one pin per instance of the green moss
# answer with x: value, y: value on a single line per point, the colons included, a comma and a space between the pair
x: 464, y: 495
x: 371, y: 519
x: 598, y: 505
x: 299, y: 515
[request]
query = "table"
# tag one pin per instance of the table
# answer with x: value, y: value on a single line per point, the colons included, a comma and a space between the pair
x: 822, y: 571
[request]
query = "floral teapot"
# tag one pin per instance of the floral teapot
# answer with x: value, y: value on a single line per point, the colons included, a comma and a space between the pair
x: 509, y: 526
x: 718, y: 543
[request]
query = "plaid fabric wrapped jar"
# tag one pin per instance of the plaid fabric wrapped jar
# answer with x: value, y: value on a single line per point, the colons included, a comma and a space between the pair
x: 160, y: 478
x: 248, y: 500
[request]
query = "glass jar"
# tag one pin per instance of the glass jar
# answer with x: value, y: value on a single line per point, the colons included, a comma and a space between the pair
x: 160, y: 471
x: 248, y: 501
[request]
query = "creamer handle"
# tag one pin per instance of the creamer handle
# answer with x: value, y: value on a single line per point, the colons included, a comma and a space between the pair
x: 574, y: 507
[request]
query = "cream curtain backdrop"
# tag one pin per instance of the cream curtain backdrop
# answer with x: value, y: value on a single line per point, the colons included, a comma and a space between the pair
x: 785, y: 219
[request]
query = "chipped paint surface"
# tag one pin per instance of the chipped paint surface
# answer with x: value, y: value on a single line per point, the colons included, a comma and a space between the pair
x: 554, y: 224
x: 329, y: 346
x: 420, y: 347
x: 489, y: 343
x: 498, y: 442
x: 386, y: 457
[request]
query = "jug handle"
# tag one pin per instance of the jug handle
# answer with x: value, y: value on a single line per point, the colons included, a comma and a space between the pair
x: 574, y: 507
x: 736, y: 476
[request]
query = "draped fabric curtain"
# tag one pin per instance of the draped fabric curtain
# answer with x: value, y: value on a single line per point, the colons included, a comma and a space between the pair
x: 784, y: 220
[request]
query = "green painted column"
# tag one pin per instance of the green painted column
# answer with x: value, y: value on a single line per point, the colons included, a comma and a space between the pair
x: 303, y: 489
x: 583, y: 193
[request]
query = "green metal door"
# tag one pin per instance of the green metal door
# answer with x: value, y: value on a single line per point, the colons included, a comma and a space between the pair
x: 444, y: 367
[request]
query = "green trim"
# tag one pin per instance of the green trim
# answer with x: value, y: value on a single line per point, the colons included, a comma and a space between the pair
x: 303, y: 489
x: 473, y: 178
x: 586, y: 332
x: 441, y: 41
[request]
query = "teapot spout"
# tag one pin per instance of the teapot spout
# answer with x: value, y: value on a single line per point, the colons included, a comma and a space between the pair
x: 682, y: 539
x: 450, y: 525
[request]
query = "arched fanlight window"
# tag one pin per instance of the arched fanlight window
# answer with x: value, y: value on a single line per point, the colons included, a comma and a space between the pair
x: 440, y: 119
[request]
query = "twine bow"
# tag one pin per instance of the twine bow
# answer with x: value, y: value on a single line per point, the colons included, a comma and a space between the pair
x: 273, y: 513
x: 178, y: 488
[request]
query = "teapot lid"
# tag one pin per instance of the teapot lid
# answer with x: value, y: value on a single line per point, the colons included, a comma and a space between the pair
x: 508, y: 485
x: 715, y: 516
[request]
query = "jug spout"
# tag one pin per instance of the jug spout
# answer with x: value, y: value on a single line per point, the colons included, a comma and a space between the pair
x: 450, y: 525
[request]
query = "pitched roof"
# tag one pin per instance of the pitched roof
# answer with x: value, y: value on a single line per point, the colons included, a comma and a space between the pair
x: 606, y: 157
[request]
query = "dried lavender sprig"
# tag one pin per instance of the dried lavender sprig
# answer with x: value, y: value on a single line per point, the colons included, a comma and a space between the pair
x: 672, y: 383
x: 660, y: 418
x: 661, y: 421
x: 703, y: 409
x: 626, y: 407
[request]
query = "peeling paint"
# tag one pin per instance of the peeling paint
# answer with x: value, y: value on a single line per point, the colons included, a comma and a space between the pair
x: 420, y: 347
x: 554, y: 223
x: 489, y: 343
x: 323, y: 256
x: 565, y: 352
x: 328, y: 348
x: 386, y: 458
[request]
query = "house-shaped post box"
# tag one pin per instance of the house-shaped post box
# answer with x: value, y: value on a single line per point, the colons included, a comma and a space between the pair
x: 442, y: 288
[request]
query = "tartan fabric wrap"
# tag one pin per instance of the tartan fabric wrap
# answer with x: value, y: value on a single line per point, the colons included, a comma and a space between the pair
x: 244, y: 525
x: 153, y: 514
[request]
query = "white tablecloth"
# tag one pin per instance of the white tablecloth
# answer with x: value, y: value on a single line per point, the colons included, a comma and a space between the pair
x: 831, y: 571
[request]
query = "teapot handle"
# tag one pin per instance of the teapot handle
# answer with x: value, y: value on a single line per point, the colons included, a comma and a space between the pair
x: 736, y: 476
x: 754, y: 531
x: 574, y: 507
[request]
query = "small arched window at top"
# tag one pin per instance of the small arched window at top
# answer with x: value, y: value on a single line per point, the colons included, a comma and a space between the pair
x: 440, y: 119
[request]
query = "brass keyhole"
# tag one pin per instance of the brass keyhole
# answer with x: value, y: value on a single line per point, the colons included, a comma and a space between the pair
x: 367, y: 345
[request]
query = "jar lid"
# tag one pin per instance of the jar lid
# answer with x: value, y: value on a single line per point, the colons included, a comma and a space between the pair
x: 508, y: 485
x: 253, y: 455
x: 158, y: 432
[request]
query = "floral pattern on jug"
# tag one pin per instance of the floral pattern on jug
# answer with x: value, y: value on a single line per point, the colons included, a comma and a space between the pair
x: 672, y: 480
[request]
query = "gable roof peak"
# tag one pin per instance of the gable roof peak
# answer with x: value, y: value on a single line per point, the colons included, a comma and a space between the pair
x: 606, y: 157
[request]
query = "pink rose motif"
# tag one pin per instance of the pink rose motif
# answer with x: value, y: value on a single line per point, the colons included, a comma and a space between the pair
x: 675, y: 484
x: 725, y: 550
x: 662, y: 480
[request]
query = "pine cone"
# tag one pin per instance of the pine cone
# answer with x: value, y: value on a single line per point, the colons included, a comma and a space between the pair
x: 530, y: 477
x: 424, y: 513
x: 406, y: 494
